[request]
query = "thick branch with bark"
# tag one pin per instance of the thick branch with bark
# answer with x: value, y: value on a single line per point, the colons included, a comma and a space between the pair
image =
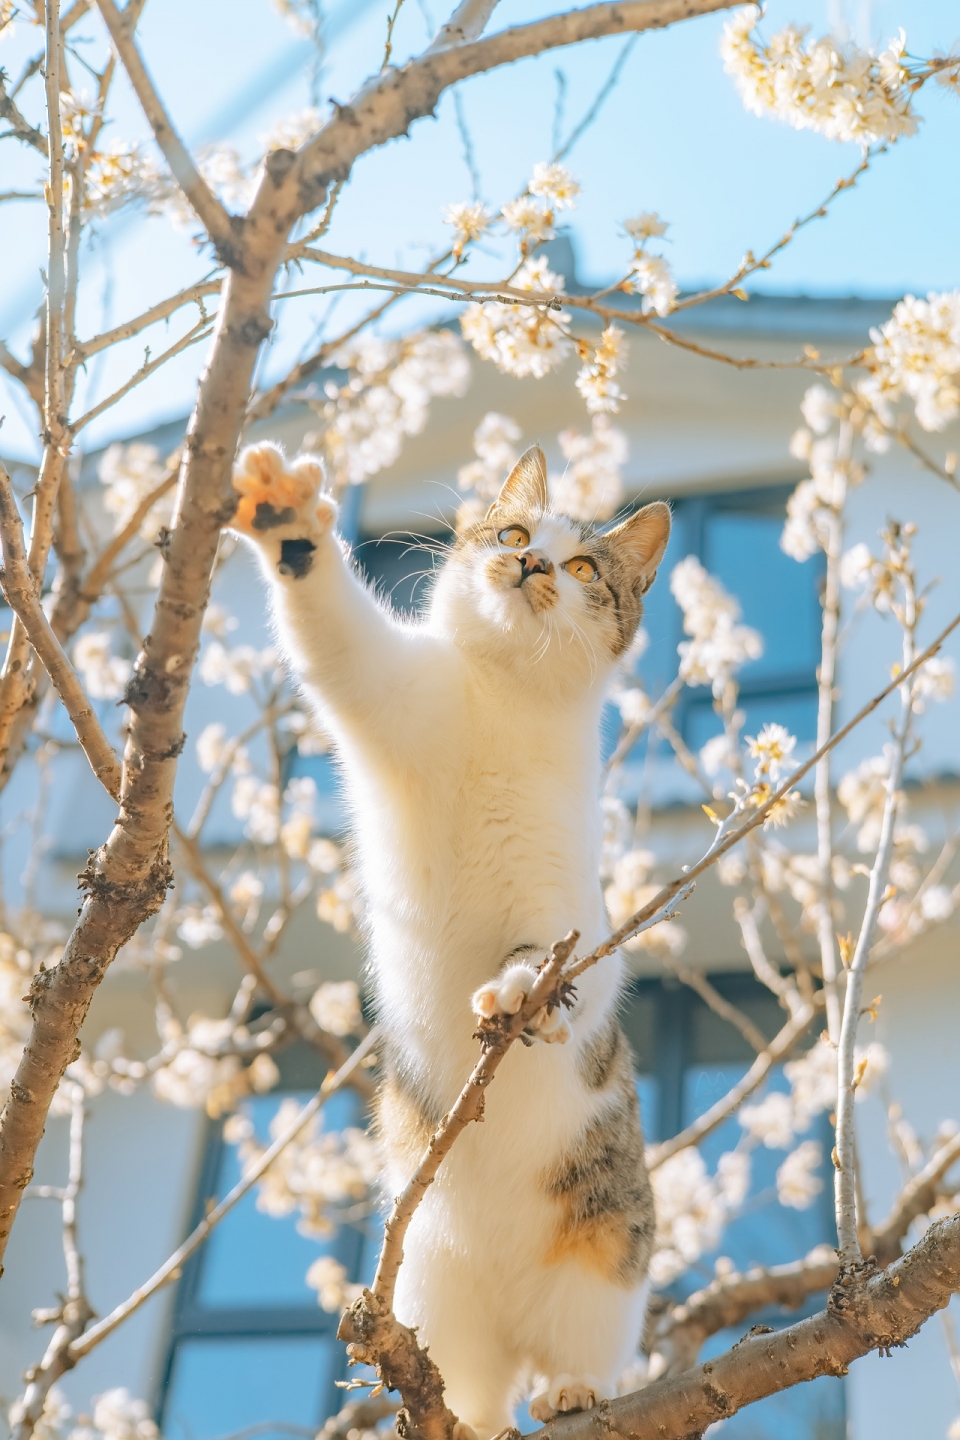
x: 878, y: 1311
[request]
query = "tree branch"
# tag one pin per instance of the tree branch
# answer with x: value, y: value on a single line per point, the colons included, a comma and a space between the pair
x: 200, y: 331
x: 222, y: 227
x: 20, y: 591
x: 730, y: 1299
x: 22, y: 129
x: 779, y: 1047
x: 165, y: 308
x: 917, y: 1197
x: 881, y: 1311
x: 170, y: 1269
x: 467, y: 22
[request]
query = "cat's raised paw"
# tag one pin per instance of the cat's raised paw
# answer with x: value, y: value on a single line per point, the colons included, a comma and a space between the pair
x: 566, y: 1392
x: 280, y: 505
x: 505, y: 995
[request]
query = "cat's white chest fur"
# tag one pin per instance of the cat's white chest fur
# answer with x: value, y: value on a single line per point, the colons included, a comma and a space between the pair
x: 469, y: 745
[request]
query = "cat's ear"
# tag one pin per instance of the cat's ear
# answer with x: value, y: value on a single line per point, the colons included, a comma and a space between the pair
x: 525, y: 488
x: 642, y: 540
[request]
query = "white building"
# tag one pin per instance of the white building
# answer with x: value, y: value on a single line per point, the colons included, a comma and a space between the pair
x: 713, y: 439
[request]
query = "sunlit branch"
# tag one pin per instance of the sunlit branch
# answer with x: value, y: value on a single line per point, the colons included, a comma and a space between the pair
x: 85, y: 348
x: 778, y: 1049
x: 751, y: 264
x: 710, y: 995
x: 20, y: 592
x: 170, y: 1270
x: 200, y: 331
x: 217, y: 222
x: 21, y: 127
x: 467, y: 22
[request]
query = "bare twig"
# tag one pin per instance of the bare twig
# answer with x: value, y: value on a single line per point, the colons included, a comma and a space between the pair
x: 74, y: 1314
x: 160, y: 311
x: 170, y: 1269
x: 200, y: 331
x: 217, y: 222
x: 778, y: 1048
x: 730, y: 1299
x: 20, y: 591
x: 711, y: 996
x: 844, y: 1156
x: 917, y: 1197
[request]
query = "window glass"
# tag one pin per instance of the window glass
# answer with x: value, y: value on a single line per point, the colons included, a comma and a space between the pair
x: 275, y: 1256
x: 219, y: 1387
x: 765, y: 1233
x: 777, y: 595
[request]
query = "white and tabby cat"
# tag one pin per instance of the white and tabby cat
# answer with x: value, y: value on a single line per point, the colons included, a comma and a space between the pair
x: 469, y: 743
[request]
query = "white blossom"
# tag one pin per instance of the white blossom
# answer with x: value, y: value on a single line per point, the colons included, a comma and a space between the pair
x: 855, y: 566
x: 199, y: 926
x: 936, y: 903
x: 54, y: 1415
x: 386, y: 398
x: 315, y: 1174
x: 772, y: 748
x: 470, y: 220
x: 591, y: 487
x: 770, y: 1121
x: 628, y: 893
x: 117, y: 1416
x: 863, y: 794
x: 934, y: 680
x: 339, y: 905
x: 645, y: 226
x: 257, y: 802
x: 841, y: 91
x: 218, y: 621
x: 212, y: 746
x: 552, y: 182
x: 522, y: 339
x: 818, y: 409
x: 917, y: 354
x: 494, y: 442
x: 652, y: 276
x: 692, y: 1208
x: 798, y: 1184
x: 719, y: 645
x: 293, y: 130
x: 533, y: 221
x: 595, y: 380
x: 335, y: 1006
x: 103, y: 673
x: 237, y: 667
x: 324, y: 856
x: 329, y: 1278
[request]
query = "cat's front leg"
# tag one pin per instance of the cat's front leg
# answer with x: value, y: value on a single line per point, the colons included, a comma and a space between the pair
x: 505, y: 994
x: 281, y: 508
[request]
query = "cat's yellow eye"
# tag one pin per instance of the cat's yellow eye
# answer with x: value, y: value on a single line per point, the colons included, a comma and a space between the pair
x: 582, y: 568
x: 515, y: 536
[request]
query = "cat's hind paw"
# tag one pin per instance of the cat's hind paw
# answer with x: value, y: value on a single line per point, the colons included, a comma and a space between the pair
x: 565, y: 1393
x: 281, y: 505
x: 505, y: 995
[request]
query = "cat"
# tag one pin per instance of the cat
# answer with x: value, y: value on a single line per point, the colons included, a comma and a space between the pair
x: 469, y: 746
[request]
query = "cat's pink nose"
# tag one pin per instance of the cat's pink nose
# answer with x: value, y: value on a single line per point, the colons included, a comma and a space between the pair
x: 531, y: 563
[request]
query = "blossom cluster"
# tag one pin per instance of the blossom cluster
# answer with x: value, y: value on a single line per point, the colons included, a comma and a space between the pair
x: 603, y: 362
x: 590, y: 487
x: 650, y: 274
x: 318, y: 1175
x: 693, y: 1207
x: 522, y: 339
x: 917, y: 353
x: 841, y: 91
x: 719, y: 644
x: 386, y: 398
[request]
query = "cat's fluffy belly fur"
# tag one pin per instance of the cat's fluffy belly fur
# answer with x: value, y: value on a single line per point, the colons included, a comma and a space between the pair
x: 470, y: 754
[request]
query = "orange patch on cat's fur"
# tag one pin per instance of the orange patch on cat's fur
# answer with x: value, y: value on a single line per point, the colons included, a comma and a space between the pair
x: 603, y: 1244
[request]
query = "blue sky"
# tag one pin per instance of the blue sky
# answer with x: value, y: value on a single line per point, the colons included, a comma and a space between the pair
x: 673, y: 137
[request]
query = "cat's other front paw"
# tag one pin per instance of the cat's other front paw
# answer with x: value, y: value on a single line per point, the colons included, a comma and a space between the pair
x: 506, y: 993
x: 565, y: 1393
x: 281, y: 508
